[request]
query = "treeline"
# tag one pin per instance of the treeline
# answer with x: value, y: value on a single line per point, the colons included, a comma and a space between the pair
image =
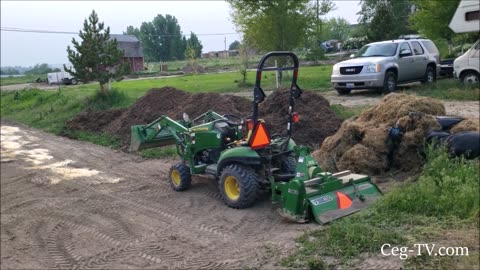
x: 163, y: 40
x: 35, y: 70
x: 298, y: 24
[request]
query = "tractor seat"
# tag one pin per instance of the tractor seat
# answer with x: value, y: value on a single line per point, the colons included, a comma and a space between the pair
x: 225, y: 129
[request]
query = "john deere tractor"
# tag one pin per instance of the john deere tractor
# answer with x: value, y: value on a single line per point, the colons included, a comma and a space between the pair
x: 245, y: 160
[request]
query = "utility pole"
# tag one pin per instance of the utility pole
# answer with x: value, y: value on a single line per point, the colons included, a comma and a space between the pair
x: 225, y: 43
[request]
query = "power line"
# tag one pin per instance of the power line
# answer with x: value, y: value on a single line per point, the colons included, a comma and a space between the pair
x: 41, y: 31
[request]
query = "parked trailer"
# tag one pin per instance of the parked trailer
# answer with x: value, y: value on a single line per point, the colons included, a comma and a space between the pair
x: 61, y: 78
x: 467, y: 19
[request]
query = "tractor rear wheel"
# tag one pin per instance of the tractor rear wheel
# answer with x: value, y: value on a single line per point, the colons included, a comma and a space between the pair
x: 180, y: 178
x: 238, y: 186
x: 288, y: 165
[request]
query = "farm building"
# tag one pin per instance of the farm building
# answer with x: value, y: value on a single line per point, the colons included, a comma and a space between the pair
x: 220, y: 54
x: 133, y: 51
x: 229, y: 53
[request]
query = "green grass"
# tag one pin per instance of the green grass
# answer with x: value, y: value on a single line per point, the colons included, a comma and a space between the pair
x: 48, y: 110
x: 446, y: 89
x: 313, y: 78
x: 344, y: 113
x: 217, y: 63
x: 161, y: 152
x: 96, y: 138
x: 444, y: 197
x: 21, y: 79
x: 45, y: 110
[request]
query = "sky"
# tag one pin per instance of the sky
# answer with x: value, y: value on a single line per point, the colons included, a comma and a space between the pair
x: 200, y: 17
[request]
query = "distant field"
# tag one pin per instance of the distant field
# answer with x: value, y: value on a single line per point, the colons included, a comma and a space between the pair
x: 21, y: 79
x: 312, y: 78
x: 214, y: 63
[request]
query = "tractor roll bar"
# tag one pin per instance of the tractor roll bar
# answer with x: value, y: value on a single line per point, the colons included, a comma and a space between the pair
x: 295, y: 91
x: 260, y: 67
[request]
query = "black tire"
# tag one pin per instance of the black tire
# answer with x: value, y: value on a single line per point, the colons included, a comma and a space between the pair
x: 343, y: 91
x: 288, y: 164
x: 390, y: 82
x: 74, y: 81
x: 179, y: 177
x: 470, y: 78
x: 238, y: 186
x: 430, y: 76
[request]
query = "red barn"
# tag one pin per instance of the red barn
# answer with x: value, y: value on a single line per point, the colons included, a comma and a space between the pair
x: 133, y: 51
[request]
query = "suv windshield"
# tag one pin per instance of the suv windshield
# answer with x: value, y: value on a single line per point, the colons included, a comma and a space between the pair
x: 386, y: 49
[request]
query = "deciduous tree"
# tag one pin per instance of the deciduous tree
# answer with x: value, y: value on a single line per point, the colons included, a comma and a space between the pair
x: 385, y: 19
x: 234, y: 45
x: 431, y: 18
x: 273, y: 25
x: 161, y: 38
x: 194, y: 44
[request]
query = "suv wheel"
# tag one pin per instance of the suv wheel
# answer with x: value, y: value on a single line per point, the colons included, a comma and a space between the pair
x: 470, y: 78
x: 390, y: 82
x: 343, y: 91
x: 430, y: 76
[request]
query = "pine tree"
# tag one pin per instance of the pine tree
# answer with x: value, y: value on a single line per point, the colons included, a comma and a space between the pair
x: 96, y: 57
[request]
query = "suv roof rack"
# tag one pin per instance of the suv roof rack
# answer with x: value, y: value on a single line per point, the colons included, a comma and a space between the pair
x: 407, y: 37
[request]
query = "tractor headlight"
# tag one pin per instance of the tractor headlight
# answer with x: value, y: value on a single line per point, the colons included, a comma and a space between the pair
x: 372, y: 68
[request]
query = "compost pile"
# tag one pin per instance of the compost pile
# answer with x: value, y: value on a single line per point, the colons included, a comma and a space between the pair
x: 360, y: 144
x: 317, y: 121
x: 156, y: 102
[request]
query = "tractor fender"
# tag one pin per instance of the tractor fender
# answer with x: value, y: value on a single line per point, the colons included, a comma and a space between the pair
x: 291, y: 144
x: 242, y: 155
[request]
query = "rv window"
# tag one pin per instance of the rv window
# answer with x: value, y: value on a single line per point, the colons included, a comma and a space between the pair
x: 472, y: 15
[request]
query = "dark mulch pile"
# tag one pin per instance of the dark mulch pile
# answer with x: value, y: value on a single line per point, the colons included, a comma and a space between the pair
x: 317, y: 120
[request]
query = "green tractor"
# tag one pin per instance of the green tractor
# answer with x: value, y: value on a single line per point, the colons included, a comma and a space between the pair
x: 245, y: 160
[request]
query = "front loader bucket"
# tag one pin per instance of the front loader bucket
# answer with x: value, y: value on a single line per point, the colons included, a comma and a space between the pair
x: 341, y: 202
x: 144, y: 138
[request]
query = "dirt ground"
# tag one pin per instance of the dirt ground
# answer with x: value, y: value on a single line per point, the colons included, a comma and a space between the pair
x: 68, y: 204
x: 72, y: 204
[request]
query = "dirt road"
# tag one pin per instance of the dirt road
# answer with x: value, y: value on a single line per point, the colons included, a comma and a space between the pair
x: 71, y: 204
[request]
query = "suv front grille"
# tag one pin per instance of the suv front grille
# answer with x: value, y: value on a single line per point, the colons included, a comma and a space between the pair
x: 350, y: 70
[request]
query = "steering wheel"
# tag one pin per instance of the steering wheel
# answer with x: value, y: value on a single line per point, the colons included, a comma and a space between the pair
x: 233, y: 119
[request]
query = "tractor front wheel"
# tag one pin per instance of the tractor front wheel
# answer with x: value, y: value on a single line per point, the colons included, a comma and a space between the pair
x: 238, y: 186
x: 180, y: 178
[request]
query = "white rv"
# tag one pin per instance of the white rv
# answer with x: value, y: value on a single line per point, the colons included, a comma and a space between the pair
x: 467, y: 19
x: 61, y: 78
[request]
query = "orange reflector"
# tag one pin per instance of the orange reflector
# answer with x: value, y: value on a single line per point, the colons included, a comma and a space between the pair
x: 260, y: 137
x: 249, y: 124
x: 343, y: 200
x: 295, y: 117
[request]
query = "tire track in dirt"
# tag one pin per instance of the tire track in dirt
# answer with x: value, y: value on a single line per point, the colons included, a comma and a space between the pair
x: 137, y: 222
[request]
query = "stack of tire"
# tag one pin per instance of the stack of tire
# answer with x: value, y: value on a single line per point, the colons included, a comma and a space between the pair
x: 465, y: 143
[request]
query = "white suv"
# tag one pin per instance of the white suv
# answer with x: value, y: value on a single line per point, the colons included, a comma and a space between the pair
x: 383, y: 65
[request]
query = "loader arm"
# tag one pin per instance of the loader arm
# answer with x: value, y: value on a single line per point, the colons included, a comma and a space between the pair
x: 163, y: 131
